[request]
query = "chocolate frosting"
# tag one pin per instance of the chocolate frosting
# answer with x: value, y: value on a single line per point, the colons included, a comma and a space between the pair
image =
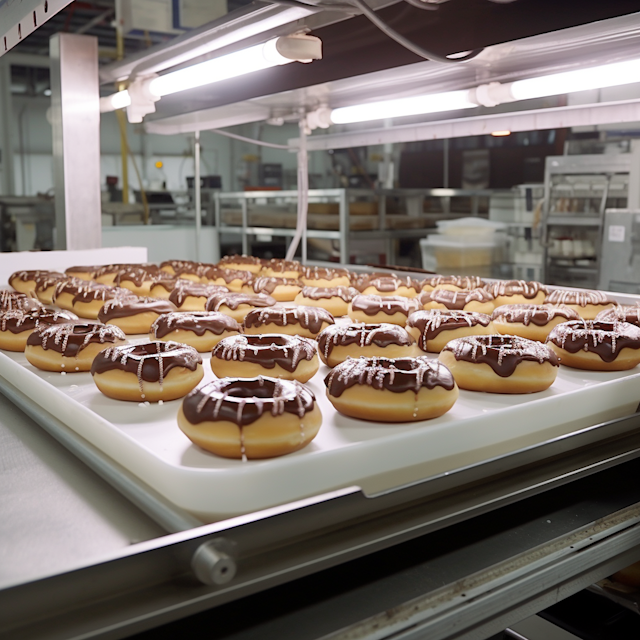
x: 579, y: 298
x: 131, y: 306
x: 19, y: 321
x: 26, y: 276
x: 150, y: 361
x: 387, y: 283
x: 187, y: 289
x: 528, y: 289
x: 115, y: 268
x: 234, y: 300
x: 74, y: 285
x: 277, y: 265
x: 137, y: 275
x: 176, y: 265
x: 15, y: 300
x: 538, y: 314
x: 606, y: 339
x: 48, y: 279
x: 455, y: 300
x: 621, y: 313
x: 432, y: 322
x: 237, y: 259
x: 228, y: 275
x: 88, y: 294
x: 244, y: 400
x: 389, y: 305
x: 199, y: 322
x: 70, y: 339
x: 268, y: 284
x: 380, y: 335
x: 324, y: 273
x: 502, y: 353
x: 80, y: 269
x: 462, y: 282
x: 311, y: 318
x: 321, y: 293
x: 397, y: 375
x: 266, y: 349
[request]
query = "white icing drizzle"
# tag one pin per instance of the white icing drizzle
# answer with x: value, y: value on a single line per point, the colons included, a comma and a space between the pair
x: 61, y: 333
x: 621, y: 313
x: 528, y: 289
x: 296, y: 348
x: 365, y: 333
x: 504, y: 345
x: 386, y: 304
x: 524, y: 313
x: 580, y: 298
x: 372, y: 372
x: 593, y: 332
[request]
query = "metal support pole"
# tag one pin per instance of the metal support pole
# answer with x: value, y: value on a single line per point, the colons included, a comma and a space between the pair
x: 196, y: 187
x: 633, y: 200
x: 245, y: 216
x: 7, y: 174
x: 343, y: 214
x: 75, y: 107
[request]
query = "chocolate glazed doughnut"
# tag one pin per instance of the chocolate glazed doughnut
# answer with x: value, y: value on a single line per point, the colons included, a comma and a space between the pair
x: 134, y: 315
x: 375, y: 309
x: 201, y: 330
x: 70, y: 347
x: 453, y: 283
x: 237, y: 305
x: 250, y: 418
x: 478, y: 300
x: 152, y: 372
x: 339, y: 342
x: 621, y: 313
x: 500, y: 364
x: 517, y: 292
x: 281, y: 356
x: 15, y: 300
x: 385, y: 390
x: 334, y: 299
x: 588, y: 304
x: 302, y: 321
x: 193, y: 296
x: 433, y: 328
x: 596, y: 345
x: 16, y: 325
x: 531, y: 321
x: 282, y: 289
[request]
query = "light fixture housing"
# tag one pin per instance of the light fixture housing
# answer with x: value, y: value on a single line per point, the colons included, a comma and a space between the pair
x: 142, y: 93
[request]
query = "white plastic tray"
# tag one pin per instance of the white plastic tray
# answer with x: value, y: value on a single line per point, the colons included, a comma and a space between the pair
x: 145, y: 439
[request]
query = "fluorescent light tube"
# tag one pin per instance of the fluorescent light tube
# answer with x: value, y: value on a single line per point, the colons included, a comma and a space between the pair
x: 118, y: 100
x: 418, y: 105
x: 235, y: 64
x: 608, y: 75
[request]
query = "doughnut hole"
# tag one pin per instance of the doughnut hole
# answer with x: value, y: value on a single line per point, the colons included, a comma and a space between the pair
x: 305, y: 370
x: 529, y: 376
x: 626, y: 359
x: 50, y: 360
x: 267, y: 437
x: 124, y: 385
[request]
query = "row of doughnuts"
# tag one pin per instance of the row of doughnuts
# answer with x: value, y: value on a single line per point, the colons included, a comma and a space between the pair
x: 402, y: 304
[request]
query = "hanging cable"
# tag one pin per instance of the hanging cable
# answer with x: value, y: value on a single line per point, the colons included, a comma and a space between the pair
x: 303, y: 192
x: 405, y: 42
x: 343, y: 8
x: 235, y: 136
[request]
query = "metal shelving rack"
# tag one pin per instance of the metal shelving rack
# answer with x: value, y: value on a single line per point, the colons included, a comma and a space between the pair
x: 414, y: 206
x: 578, y: 189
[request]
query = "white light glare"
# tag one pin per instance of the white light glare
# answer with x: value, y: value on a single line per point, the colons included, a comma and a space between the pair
x: 121, y: 99
x: 418, y: 105
x: 608, y: 75
x: 261, y: 56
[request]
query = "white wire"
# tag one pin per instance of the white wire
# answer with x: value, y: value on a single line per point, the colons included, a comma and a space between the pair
x: 303, y: 192
x: 235, y: 136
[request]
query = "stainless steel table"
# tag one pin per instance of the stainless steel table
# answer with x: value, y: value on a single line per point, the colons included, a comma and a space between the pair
x: 462, y: 558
